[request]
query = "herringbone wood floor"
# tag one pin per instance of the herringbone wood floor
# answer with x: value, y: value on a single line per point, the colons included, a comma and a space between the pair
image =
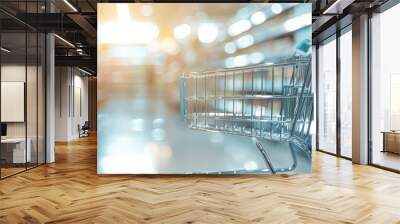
x: 70, y: 191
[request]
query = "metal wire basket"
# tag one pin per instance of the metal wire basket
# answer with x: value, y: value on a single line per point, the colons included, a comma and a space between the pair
x: 269, y: 101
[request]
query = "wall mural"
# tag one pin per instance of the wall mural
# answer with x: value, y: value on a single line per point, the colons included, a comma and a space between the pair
x: 204, y: 88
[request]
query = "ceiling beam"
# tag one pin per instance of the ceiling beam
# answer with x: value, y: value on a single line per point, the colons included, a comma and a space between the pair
x: 84, y: 24
x: 49, y: 22
x: 81, y: 61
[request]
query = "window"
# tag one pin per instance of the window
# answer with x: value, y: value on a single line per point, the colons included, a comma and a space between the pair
x: 346, y: 94
x: 385, y: 89
x: 22, y: 77
x: 327, y: 97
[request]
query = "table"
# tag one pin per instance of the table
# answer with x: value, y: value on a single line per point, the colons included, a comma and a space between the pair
x: 391, y: 141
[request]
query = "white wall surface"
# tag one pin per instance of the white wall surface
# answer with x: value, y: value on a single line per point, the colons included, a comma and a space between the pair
x: 71, y: 102
x: 16, y: 73
x: 12, y: 101
x: 13, y: 111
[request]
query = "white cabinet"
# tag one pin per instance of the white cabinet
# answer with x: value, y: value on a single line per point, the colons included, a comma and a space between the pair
x: 19, y: 155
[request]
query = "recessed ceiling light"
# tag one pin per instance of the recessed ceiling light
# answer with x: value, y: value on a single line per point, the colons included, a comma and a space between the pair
x: 84, y: 71
x: 64, y: 40
x: 70, y: 5
x: 5, y: 50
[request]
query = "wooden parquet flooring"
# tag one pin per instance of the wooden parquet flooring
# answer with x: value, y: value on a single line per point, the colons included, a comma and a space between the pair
x: 70, y: 191
x: 10, y: 171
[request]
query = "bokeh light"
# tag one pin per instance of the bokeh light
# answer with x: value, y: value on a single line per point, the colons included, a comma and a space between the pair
x: 182, y: 31
x: 239, y: 27
x: 207, y: 32
x: 258, y: 18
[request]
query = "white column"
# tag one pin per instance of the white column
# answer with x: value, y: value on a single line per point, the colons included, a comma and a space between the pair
x: 314, y: 90
x: 50, y: 99
x: 360, y: 90
x: 50, y: 92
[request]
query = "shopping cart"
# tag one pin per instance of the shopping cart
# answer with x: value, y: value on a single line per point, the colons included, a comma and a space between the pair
x: 269, y: 101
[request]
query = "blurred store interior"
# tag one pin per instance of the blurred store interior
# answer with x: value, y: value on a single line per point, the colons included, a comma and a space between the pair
x: 51, y: 46
x: 139, y: 76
